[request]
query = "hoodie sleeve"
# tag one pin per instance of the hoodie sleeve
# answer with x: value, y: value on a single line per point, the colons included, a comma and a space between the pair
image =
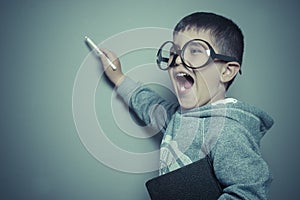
x: 239, y: 166
x: 147, y: 104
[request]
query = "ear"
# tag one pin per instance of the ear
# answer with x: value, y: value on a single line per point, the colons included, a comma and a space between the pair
x: 229, y: 71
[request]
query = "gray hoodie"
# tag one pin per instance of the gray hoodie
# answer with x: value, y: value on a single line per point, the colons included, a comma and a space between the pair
x: 229, y: 131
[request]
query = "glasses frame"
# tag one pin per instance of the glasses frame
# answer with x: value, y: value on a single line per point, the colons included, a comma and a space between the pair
x: 179, y: 52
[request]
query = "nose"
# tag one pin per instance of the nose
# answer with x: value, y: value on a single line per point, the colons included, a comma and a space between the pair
x: 176, y: 60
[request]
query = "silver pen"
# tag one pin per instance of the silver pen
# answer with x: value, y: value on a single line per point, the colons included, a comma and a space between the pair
x: 99, y: 52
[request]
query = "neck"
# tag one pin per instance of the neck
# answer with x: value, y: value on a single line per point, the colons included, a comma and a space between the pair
x: 219, y: 94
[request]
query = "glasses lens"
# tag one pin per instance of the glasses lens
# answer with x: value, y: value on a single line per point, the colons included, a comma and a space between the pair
x: 196, y: 54
x: 164, y: 54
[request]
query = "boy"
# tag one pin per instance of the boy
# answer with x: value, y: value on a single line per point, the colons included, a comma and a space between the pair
x: 202, y: 61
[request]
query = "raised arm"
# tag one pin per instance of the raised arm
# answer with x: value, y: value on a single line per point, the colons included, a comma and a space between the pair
x: 147, y: 104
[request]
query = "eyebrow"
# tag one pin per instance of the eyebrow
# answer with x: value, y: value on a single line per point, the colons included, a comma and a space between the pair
x: 195, y: 44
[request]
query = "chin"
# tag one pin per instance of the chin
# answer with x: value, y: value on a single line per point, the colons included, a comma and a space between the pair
x: 187, y: 105
x: 190, y: 103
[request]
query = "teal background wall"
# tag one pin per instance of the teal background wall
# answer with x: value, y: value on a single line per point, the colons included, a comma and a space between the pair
x: 42, y: 49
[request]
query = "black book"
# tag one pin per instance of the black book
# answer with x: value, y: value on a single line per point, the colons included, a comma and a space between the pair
x: 193, y: 181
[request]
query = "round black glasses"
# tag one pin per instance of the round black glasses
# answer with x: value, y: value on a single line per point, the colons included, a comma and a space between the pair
x: 195, y: 54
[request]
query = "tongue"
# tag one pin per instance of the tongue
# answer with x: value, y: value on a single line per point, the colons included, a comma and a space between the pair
x: 184, y: 83
x: 187, y: 84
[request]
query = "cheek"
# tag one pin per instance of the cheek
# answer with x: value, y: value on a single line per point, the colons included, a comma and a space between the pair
x: 170, y: 75
x: 208, y: 79
x: 169, y: 71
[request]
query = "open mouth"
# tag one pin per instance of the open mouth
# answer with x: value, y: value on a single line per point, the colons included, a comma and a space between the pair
x: 184, y: 81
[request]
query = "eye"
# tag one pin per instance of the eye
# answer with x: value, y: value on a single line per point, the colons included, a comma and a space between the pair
x: 195, y: 51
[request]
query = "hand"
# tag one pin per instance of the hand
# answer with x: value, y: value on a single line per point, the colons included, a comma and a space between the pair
x: 115, y: 76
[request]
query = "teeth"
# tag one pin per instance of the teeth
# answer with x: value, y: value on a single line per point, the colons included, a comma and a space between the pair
x: 181, y: 74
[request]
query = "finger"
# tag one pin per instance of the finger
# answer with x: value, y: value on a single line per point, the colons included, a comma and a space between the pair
x: 110, y: 55
x: 110, y: 58
x: 104, y: 59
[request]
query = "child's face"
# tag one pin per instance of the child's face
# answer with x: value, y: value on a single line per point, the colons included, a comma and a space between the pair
x: 202, y: 85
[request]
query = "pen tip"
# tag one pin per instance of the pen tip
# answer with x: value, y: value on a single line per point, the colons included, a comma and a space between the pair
x: 85, y: 37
